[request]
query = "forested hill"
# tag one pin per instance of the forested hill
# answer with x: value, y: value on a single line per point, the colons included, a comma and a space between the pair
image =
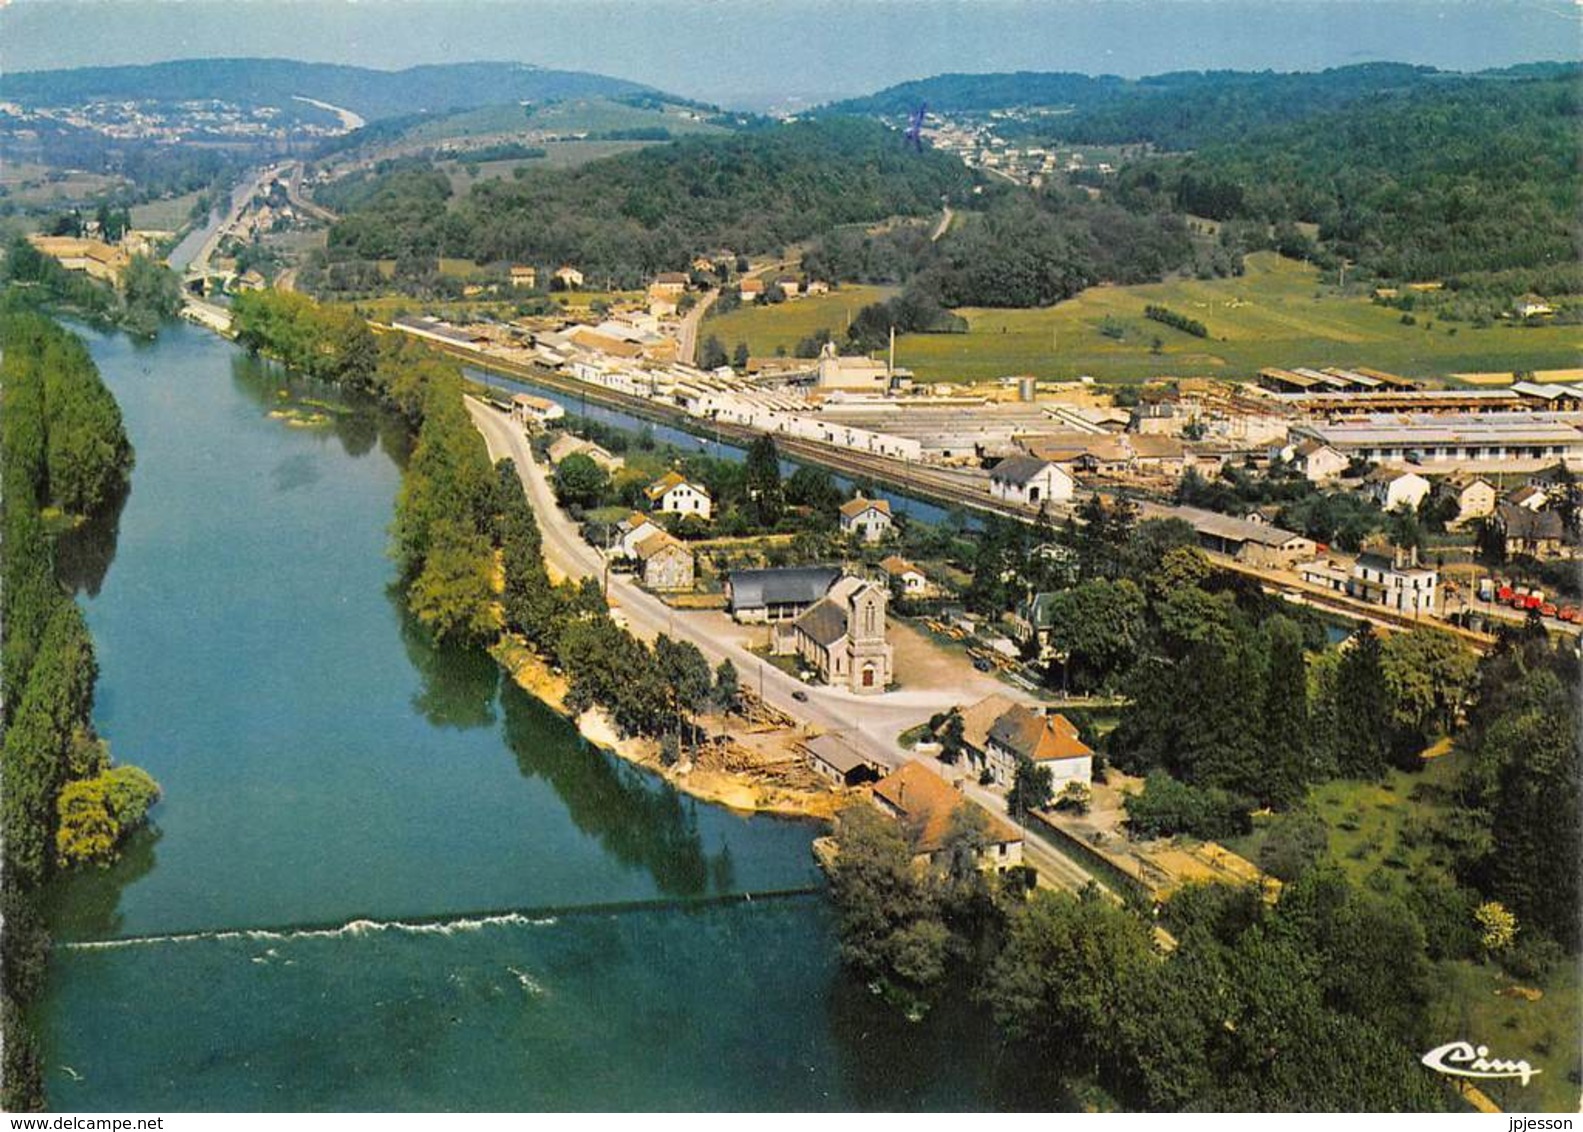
x: 1178, y: 111
x: 1463, y: 175
x: 957, y: 92
x: 654, y: 209
x: 370, y: 93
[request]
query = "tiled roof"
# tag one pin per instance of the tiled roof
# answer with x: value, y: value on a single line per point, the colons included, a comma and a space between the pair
x: 923, y: 797
x: 825, y: 622
x: 1041, y: 738
x: 852, y: 508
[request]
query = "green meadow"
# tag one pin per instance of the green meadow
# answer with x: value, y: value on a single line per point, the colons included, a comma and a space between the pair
x: 1277, y: 314
x: 765, y: 328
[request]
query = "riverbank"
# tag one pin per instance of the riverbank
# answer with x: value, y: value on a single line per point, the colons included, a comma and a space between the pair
x: 723, y: 772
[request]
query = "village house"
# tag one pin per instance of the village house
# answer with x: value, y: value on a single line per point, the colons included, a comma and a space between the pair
x: 751, y: 290
x: 1030, y: 480
x: 1391, y: 489
x: 673, y: 493
x: 816, y: 287
x: 835, y: 757
x: 631, y: 531
x: 866, y: 519
x: 1538, y: 534
x: 566, y: 445
x: 668, y: 283
x: 703, y: 265
x: 1396, y: 581
x: 924, y: 803
x: 842, y: 637
x: 1031, y: 624
x: 568, y: 277
x: 913, y: 581
x: 977, y: 719
x: 1473, y: 494
x: 524, y: 276
x: 1049, y: 741
x: 667, y: 564
x: 1316, y: 461
x: 526, y: 409
x: 790, y: 286
x: 1530, y: 497
x: 778, y: 594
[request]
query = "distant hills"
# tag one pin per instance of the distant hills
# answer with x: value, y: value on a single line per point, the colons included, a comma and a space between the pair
x: 1180, y: 110
x: 370, y: 93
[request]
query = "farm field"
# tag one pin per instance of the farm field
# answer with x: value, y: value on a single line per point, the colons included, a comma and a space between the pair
x: 1277, y: 314
x: 766, y: 328
x: 164, y: 215
x: 557, y: 155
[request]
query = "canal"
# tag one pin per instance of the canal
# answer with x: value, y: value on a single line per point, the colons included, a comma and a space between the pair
x: 701, y: 441
x: 382, y: 877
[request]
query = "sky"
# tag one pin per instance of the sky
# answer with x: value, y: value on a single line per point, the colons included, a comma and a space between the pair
x: 761, y: 53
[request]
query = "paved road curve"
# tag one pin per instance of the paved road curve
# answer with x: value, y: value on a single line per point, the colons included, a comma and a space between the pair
x: 866, y: 719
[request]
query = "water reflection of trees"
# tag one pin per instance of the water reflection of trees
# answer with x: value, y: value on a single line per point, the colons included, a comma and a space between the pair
x: 362, y: 424
x: 637, y: 818
x: 83, y: 553
x: 457, y: 685
x: 86, y: 903
x: 954, y: 1058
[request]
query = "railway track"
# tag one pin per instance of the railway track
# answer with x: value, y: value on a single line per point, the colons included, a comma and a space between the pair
x: 943, y: 487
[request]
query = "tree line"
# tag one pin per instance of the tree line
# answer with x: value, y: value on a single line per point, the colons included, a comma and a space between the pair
x: 441, y: 536
x: 62, y: 800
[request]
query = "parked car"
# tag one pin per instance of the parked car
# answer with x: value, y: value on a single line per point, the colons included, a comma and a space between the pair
x: 800, y: 696
x: 981, y: 664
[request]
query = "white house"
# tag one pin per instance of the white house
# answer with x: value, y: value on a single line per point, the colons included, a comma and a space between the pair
x: 527, y: 409
x: 631, y: 531
x: 674, y: 493
x: 1395, y: 581
x: 1393, y: 489
x: 1316, y: 461
x: 1047, y: 740
x: 1475, y: 497
x: 1530, y: 497
x: 866, y: 519
x: 913, y: 581
x: 568, y: 277
x: 1028, y: 479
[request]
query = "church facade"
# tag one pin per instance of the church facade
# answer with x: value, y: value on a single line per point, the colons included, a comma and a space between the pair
x: 842, y: 637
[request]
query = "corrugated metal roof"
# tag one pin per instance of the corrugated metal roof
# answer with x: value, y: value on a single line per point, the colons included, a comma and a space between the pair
x: 790, y: 585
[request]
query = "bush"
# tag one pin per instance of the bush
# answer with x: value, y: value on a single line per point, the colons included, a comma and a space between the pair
x: 1168, y: 807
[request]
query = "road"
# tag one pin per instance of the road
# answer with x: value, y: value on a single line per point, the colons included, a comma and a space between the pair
x: 239, y: 198
x: 687, y: 335
x: 944, y: 226
x: 870, y: 723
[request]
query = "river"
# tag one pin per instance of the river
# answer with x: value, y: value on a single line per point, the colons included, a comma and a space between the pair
x: 382, y: 877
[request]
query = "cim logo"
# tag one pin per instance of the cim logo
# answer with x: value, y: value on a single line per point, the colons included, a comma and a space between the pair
x: 1464, y: 1059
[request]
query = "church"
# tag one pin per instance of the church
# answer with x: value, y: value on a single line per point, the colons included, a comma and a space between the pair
x: 842, y: 637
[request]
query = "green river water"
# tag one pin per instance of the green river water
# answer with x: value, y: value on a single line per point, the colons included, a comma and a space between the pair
x: 384, y: 878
